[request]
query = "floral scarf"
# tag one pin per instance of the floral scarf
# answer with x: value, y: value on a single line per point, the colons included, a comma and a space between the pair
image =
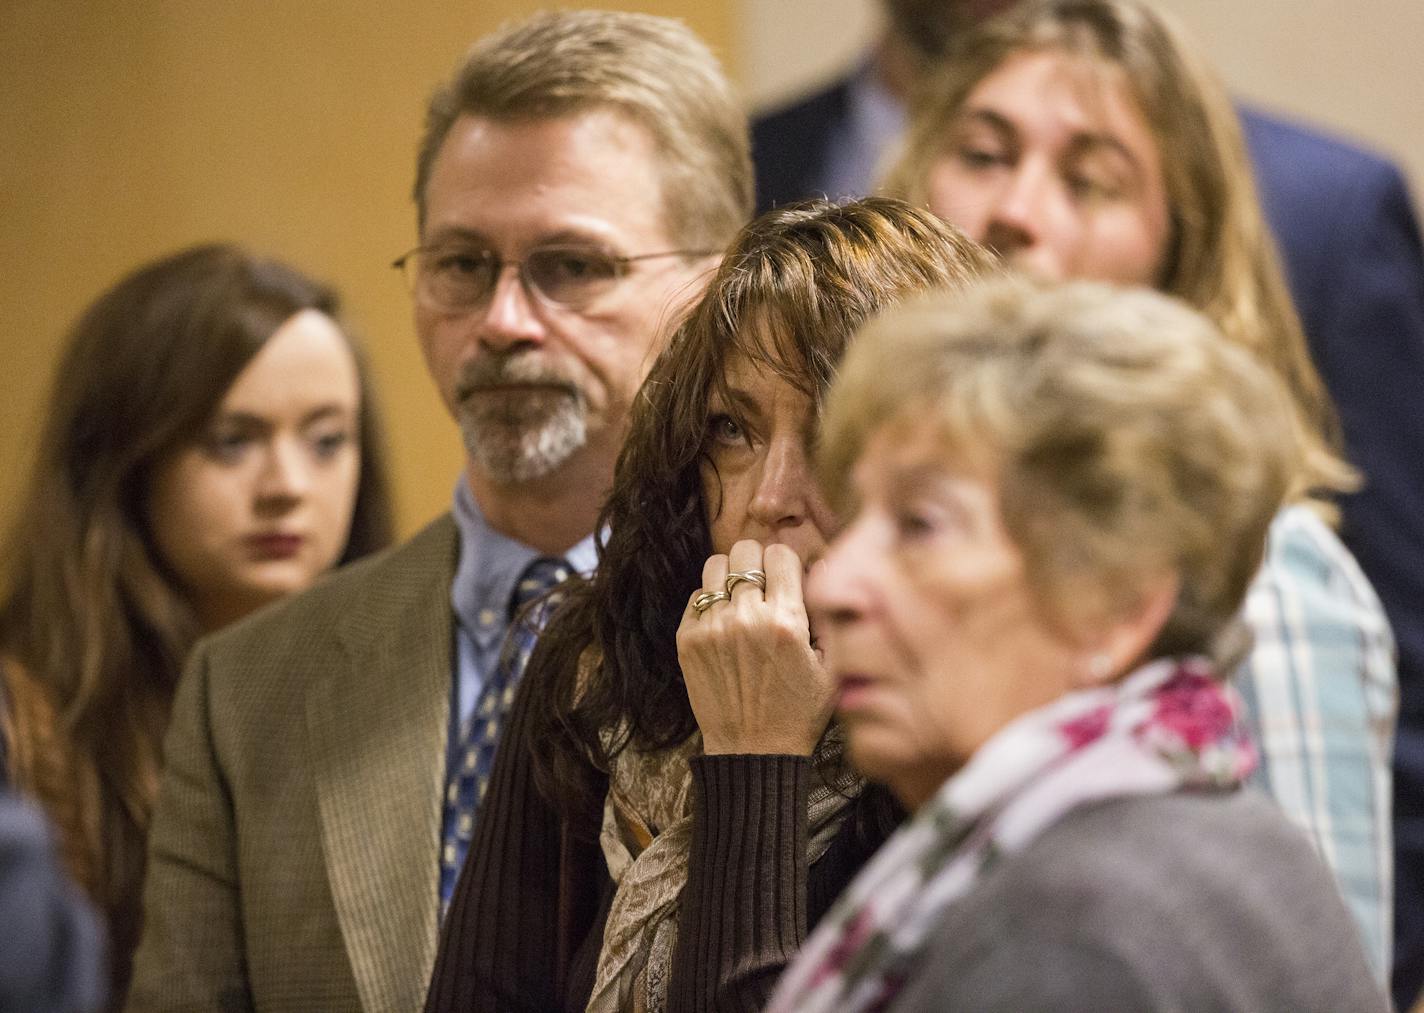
x: 1167, y: 726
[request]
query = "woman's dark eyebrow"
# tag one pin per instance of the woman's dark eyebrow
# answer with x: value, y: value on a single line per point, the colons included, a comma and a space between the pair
x: 245, y: 421
x: 742, y: 401
x: 322, y: 412
x: 249, y: 421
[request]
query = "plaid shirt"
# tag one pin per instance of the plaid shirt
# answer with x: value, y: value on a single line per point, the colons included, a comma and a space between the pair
x: 1322, y: 694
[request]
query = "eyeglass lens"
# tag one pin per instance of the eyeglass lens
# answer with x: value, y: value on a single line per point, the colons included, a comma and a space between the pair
x: 569, y: 276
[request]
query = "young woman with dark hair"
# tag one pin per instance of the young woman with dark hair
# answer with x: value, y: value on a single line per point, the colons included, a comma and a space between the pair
x: 210, y: 445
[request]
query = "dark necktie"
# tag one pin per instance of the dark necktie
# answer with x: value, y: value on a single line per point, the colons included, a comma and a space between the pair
x: 479, y: 733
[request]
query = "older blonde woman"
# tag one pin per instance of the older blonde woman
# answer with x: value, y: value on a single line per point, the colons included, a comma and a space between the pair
x: 1089, y: 139
x: 1060, y: 496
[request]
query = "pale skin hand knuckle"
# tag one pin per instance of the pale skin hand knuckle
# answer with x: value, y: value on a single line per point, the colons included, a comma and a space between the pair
x: 695, y: 646
x: 700, y: 640
x: 786, y: 630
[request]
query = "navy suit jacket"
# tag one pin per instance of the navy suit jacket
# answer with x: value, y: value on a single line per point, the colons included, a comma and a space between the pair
x: 1350, y: 244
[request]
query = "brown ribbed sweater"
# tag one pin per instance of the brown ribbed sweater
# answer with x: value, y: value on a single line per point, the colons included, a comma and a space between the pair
x: 526, y: 922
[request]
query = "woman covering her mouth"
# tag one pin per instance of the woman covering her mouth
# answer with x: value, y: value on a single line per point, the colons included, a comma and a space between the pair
x: 1055, y: 504
x: 696, y: 813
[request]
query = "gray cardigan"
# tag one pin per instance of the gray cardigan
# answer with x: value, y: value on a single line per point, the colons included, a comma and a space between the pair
x: 1184, y: 902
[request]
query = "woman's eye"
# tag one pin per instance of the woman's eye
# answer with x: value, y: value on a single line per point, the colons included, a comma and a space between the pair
x: 328, y: 445
x: 935, y: 517
x: 980, y: 158
x: 723, y: 430
x: 227, y: 447
x: 912, y: 524
x: 1085, y: 186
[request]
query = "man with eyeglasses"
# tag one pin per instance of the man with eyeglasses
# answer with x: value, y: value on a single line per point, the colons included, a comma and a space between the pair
x: 326, y: 759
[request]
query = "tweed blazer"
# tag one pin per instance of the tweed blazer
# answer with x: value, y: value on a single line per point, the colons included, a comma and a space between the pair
x: 293, y: 858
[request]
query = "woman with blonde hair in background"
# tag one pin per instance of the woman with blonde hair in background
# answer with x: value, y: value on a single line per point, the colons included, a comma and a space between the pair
x: 1054, y: 505
x: 210, y: 445
x: 1089, y: 139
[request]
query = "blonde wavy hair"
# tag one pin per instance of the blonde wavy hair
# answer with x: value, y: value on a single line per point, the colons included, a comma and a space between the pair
x: 1221, y: 258
x: 1129, y: 440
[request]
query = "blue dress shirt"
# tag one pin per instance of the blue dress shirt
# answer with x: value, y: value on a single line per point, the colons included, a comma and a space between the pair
x: 489, y: 564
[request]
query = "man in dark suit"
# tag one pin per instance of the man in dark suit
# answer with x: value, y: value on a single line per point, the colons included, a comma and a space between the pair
x: 1351, y: 248
x: 578, y: 177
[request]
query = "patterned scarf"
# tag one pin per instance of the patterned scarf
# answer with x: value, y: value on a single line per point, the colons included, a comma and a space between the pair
x: 1169, y: 725
x: 646, y: 840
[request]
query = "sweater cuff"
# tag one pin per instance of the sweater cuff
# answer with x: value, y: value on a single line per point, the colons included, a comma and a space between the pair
x: 732, y: 785
x: 752, y: 804
x: 746, y: 894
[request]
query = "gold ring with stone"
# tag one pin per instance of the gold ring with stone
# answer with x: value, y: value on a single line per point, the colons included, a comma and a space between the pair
x: 707, y: 599
x: 757, y: 577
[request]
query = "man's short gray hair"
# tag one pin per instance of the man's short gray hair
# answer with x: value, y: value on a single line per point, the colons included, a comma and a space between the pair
x: 653, y: 70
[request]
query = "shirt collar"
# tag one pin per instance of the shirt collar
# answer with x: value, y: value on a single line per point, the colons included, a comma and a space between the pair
x: 489, y: 564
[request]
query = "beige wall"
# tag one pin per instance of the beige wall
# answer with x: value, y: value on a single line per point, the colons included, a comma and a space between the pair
x: 131, y: 129
x: 1351, y: 67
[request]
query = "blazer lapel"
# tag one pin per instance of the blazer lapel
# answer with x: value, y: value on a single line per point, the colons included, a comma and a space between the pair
x: 378, y: 728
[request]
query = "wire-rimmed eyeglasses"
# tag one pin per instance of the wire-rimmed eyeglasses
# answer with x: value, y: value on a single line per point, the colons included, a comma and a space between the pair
x: 452, y: 277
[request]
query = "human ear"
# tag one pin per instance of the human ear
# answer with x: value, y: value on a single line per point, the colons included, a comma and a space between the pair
x: 1117, y: 648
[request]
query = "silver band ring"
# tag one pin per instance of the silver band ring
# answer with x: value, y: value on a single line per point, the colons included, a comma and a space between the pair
x: 757, y: 577
x: 707, y: 599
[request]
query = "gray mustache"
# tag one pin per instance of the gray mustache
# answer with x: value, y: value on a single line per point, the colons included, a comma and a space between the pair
x: 498, y: 369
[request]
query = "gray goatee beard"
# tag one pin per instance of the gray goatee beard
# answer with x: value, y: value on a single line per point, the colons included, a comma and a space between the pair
x: 519, y: 420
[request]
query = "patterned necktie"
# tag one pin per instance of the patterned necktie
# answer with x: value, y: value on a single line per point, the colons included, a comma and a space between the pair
x: 479, y: 733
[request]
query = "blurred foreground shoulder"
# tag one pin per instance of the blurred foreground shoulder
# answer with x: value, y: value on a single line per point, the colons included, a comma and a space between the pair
x: 1176, y: 902
x: 52, y: 958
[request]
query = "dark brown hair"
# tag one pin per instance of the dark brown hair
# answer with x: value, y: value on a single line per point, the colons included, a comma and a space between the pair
x: 791, y: 290
x: 93, y: 629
